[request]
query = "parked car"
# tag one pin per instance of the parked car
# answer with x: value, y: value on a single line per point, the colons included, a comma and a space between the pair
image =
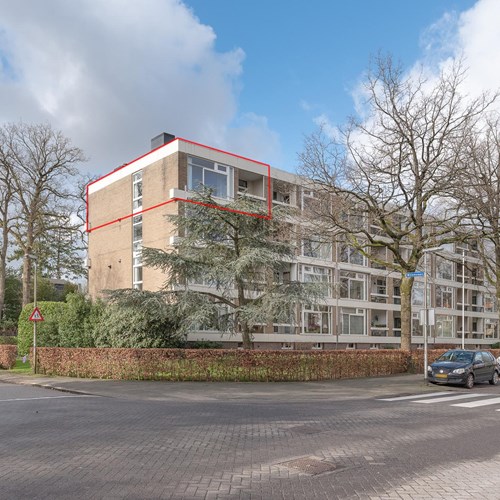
x: 459, y: 366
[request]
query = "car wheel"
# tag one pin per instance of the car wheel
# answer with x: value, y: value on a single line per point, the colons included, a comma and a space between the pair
x: 494, y: 379
x: 469, y: 382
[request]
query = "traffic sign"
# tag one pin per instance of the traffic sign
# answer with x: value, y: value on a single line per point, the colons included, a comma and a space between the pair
x: 414, y: 274
x: 36, y: 315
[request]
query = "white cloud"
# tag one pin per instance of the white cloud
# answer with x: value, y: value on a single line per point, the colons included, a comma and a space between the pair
x: 473, y: 36
x: 329, y: 128
x: 113, y: 73
x: 250, y: 130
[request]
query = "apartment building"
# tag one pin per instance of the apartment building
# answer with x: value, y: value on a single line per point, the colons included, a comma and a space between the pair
x: 127, y: 211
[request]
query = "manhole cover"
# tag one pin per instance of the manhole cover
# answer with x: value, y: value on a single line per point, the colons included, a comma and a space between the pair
x: 311, y: 466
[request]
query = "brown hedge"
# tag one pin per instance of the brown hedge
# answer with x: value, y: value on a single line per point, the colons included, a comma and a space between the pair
x: 218, y: 364
x: 8, y: 355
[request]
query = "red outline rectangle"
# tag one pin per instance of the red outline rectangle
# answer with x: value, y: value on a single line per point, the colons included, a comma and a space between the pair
x: 176, y: 199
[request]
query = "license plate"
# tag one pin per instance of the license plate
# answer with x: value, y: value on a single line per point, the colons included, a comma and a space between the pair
x: 441, y: 375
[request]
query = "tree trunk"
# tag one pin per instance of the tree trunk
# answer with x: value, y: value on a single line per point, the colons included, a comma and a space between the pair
x: 26, y: 281
x: 406, y: 288
x: 2, y: 289
x: 3, y: 270
x: 246, y: 336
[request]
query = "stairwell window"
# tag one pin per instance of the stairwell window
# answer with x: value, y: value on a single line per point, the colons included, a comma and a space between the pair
x: 137, y: 280
x: 137, y: 191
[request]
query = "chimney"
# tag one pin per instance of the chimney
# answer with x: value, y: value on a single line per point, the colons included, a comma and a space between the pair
x: 161, y: 139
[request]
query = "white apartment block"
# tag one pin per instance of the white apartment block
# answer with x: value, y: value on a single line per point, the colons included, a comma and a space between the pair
x: 127, y: 209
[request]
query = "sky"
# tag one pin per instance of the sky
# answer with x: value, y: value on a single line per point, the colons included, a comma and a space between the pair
x: 249, y: 76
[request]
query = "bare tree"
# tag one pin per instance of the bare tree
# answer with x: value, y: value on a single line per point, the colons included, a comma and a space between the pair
x: 479, y: 195
x: 40, y: 162
x: 389, y: 177
x: 6, y: 216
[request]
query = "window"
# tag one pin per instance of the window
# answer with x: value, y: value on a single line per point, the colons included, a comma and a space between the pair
x: 137, y: 279
x: 137, y: 191
x: 317, y: 346
x: 490, y: 328
x: 444, y: 268
x: 315, y: 274
x: 317, y: 248
x: 416, y: 327
x: 316, y: 319
x: 206, y: 173
x: 281, y: 197
x: 444, y: 325
x: 489, y: 303
x: 283, y: 329
x: 351, y: 255
x: 353, y: 321
x: 444, y: 296
x: 287, y: 346
x: 242, y: 186
x: 417, y: 294
x: 352, y: 285
x: 396, y: 291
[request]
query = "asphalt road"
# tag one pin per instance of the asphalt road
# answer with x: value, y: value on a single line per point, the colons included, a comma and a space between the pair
x: 333, y: 440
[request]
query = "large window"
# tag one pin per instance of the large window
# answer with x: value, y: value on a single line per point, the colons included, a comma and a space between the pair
x: 315, y: 274
x: 490, y: 328
x: 316, y: 248
x: 351, y: 255
x: 316, y: 319
x: 352, y: 285
x: 417, y: 294
x: 444, y: 268
x: 444, y: 325
x: 353, y: 321
x: 444, y: 296
x: 490, y: 303
x: 206, y: 173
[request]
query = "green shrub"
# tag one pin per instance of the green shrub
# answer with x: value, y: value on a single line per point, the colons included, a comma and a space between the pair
x: 496, y: 345
x: 73, y: 325
x: 8, y: 340
x: 8, y: 327
x: 47, y: 330
x: 137, y: 319
x: 204, y: 344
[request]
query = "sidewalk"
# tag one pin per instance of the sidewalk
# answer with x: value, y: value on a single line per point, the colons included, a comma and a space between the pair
x: 196, y: 391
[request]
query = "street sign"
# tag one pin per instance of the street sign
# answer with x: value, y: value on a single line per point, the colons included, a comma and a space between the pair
x: 414, y: 274
x: 36, y: 315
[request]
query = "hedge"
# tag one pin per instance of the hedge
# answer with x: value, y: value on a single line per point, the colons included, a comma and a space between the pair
x: 218, y: 364
x: 8, y: 355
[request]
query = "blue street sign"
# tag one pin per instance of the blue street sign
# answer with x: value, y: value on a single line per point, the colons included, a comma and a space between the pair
x: 414, y: 274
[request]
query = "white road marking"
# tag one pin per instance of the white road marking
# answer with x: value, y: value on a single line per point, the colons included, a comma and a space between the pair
x: 415, y: 396
x: 450, y: 398
x: 48, y: 397
x: 483, y: 402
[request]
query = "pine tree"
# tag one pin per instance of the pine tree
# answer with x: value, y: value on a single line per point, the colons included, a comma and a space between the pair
x: 240, y: 259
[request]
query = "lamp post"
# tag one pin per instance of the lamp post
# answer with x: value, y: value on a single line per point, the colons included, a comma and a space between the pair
x: 34, y: 258
x: 425, y: 252
x: 463, y: 299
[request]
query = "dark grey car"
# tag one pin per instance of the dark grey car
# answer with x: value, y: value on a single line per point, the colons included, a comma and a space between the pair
x: 459, y: 366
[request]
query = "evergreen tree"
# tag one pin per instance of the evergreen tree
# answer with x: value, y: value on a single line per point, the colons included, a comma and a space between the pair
x: 239, y: 258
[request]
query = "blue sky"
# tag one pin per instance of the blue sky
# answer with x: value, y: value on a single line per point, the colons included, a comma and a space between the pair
x: 249, y: 76
x: 303, y: 59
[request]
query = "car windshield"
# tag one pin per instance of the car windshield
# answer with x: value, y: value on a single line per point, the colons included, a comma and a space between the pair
x: 456, y: 356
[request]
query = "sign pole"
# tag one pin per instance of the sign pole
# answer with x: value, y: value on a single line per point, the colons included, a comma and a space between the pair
x: 34, y: 322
